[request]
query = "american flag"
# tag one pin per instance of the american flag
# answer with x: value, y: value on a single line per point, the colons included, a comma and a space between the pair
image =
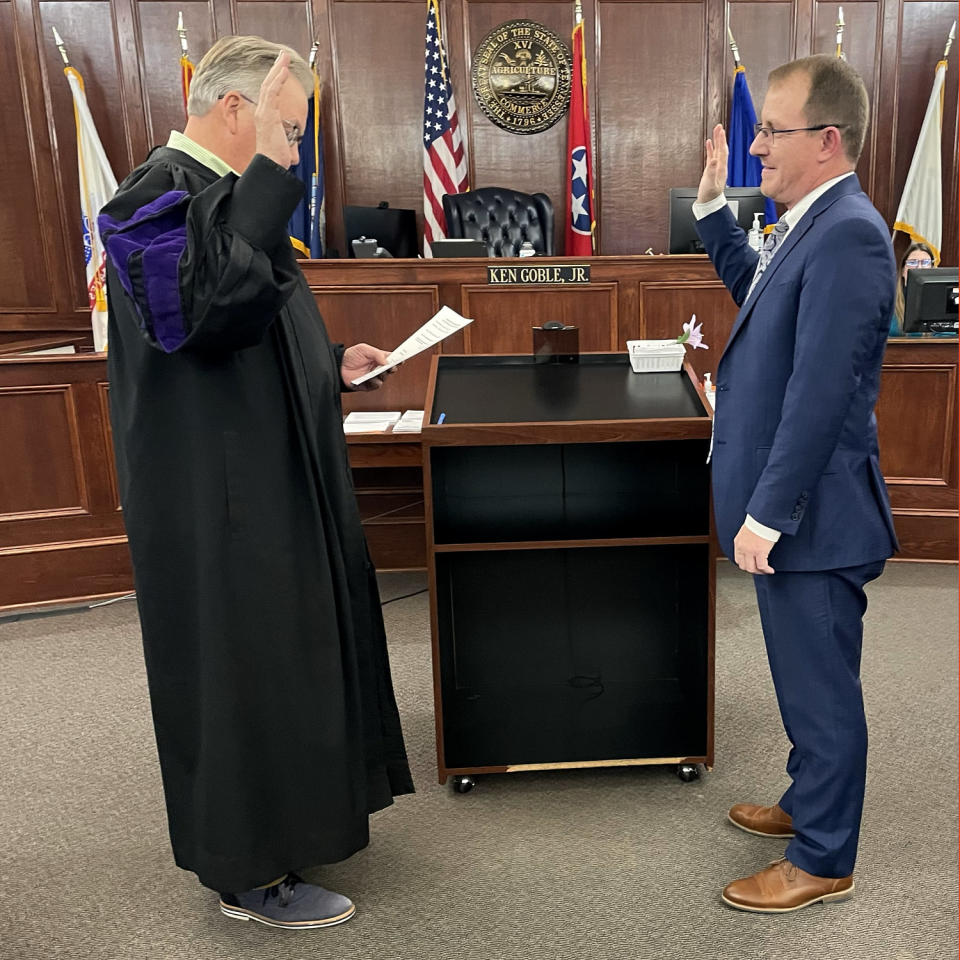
x: 444, y: 163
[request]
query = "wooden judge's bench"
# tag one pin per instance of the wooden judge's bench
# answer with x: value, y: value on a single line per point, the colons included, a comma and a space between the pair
x: 61, y: 529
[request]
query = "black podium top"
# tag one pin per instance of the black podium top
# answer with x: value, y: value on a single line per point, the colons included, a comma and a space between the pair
x: 517, y: 389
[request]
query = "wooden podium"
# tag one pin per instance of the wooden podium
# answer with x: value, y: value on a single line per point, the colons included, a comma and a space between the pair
x: 571, y: 573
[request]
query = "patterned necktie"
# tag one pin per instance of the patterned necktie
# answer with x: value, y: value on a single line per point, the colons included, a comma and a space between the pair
x: 770, y: 245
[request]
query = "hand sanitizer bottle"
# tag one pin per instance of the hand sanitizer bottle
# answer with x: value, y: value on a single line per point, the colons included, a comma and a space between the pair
x: 708, y: 386
x: 755, y: 236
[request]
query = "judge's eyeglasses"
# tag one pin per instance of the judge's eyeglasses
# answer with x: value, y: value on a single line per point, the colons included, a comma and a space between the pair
x: 291, y: 130
x: 766, y: 134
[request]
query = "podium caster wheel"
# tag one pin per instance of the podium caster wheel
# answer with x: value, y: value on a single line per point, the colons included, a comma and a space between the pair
x: 463, y: 784
x: 688, y: 771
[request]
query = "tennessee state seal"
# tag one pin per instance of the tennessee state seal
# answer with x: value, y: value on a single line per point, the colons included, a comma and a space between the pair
x: 521, y: 76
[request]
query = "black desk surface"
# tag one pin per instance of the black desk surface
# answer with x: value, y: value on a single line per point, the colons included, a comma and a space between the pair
x: 516, y: 389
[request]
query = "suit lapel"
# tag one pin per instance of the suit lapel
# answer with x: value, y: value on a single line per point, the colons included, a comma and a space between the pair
x: 850, y: 185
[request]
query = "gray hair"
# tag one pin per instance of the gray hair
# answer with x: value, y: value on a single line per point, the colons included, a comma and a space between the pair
x: 240, y: 63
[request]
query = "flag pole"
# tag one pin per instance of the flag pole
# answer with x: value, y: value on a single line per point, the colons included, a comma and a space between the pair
x: 186, y: 67
x: 840, y: 25
x: 579, y: 207
x: 315, y: 176
x: 182, y: 32
x: 734, y: 49
x: 950, y: 39
x: 58, y: 40
x: 920, y: 213
x: 96, y: 184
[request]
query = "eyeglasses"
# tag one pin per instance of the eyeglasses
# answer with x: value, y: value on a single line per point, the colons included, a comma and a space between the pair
x: 759, y: 130
x: 918, y: 263
x: 291, y: 130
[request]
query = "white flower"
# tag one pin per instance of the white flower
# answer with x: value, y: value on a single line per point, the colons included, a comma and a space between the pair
x: 691, y: 334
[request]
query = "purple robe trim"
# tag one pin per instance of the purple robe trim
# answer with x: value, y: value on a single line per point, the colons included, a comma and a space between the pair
x: 145, y: 251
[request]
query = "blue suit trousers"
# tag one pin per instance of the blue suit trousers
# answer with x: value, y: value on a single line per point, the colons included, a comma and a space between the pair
x: 813, y: 629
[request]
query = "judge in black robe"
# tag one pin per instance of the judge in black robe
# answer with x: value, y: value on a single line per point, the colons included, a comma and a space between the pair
x: 276, y: 724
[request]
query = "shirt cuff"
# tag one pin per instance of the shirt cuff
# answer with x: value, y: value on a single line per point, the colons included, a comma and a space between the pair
x: 768, y: 533
x: 701, y: 210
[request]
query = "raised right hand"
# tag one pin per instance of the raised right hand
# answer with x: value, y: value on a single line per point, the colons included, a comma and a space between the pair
x: 271, y: 136
x: 714, y: 177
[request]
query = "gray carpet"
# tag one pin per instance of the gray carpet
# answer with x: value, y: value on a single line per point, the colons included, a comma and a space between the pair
x: 624, y: 863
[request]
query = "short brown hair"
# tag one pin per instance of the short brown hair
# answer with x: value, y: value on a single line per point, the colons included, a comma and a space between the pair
x: 837, y: 96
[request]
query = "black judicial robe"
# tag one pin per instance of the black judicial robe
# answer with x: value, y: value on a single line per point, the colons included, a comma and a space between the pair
x: 275, y: 717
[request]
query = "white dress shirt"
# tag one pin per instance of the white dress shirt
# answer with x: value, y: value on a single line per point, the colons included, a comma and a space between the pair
x: 791, y: 218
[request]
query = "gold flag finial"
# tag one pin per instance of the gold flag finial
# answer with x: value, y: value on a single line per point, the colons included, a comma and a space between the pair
x: 577, y: 13
x: 182, y: 33
x: 733, y: 47
x: 950, y: 39
x: 315, y: 46
x: 58, y: 40
x: 840, y: 25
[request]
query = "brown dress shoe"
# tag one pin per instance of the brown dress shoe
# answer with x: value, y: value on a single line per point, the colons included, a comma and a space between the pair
x: 763, y: 821
x: 784, y: 887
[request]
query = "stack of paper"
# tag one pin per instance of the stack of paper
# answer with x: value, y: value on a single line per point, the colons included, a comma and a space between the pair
x: 410, y: 422
x: 370, y: 421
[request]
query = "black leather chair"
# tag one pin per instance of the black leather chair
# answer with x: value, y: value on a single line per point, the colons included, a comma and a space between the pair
x: 501, y: 218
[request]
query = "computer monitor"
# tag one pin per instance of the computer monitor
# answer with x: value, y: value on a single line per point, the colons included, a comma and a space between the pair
x: 930, y: 301
x: 744, y: 201
x: 394, y: 230
x: 459, y: 247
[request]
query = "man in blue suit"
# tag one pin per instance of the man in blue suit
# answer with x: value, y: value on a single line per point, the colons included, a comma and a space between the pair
x: 798, y: 496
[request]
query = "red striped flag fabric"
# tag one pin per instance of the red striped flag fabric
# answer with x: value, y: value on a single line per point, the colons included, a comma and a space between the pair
x: 580, y: 230
x: 444, y: 162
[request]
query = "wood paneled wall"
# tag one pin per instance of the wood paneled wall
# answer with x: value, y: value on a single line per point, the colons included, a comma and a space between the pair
x: 659, y: 78
x: 61, y: 528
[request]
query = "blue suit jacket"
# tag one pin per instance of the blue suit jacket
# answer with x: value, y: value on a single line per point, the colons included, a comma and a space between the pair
x: 795, y: 436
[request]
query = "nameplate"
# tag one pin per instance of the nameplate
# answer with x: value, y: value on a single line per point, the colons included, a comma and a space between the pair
x: 554, y: 273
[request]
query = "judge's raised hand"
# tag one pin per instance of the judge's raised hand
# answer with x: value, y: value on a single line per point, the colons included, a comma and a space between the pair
x: 359, y: 359
x: 714, y: 177
x: 271, y: 136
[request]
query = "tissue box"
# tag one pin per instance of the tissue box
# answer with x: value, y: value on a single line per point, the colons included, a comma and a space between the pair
x: 655, y: 356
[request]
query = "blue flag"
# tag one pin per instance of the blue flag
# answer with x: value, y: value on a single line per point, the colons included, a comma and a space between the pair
x: 308, y: 223
x: 743, y: 170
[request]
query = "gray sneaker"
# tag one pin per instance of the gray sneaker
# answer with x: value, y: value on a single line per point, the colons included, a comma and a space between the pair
x: 292, y: 904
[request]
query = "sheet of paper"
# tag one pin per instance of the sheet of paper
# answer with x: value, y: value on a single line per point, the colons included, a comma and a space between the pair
x: 444, y: 322
x: 372, y: 416
x: 367, y: 426
x: 48, y: 352
x: 410, y: 422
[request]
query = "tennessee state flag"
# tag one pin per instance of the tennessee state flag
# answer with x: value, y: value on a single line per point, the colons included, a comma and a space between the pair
x: 580, y: 224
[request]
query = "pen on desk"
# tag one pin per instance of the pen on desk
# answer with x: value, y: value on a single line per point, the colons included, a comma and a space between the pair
x: 441, y: 418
